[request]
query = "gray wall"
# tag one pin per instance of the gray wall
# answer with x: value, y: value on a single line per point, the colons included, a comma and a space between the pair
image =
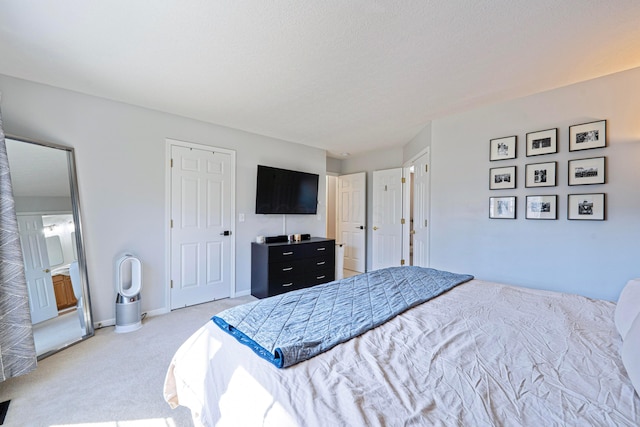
x: 120, y: 157
x: 43, y: 204
x: 594, y: 258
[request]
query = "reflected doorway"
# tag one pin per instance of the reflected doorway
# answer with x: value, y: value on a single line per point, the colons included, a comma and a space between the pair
x: 55, y: 293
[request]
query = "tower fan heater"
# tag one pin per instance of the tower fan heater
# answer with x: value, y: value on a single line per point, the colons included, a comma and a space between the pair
x: 129, y: 285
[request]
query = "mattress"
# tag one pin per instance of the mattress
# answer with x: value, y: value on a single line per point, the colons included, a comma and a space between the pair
x: 481, y: 354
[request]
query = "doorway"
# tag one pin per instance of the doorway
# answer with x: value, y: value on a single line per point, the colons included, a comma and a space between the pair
x: 202, y: 226
x: 346, y: 219
x: 416, y: 201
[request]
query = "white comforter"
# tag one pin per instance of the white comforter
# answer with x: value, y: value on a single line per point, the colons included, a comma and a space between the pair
x: 481, y: 354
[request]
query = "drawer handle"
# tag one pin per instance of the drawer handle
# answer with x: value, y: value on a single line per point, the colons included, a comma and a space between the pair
x: 287, y: 253
x: 287, y: 269
x: 321, y: 249
x: 287, y: 284
x: 320, y: 277
x: 321, y: 263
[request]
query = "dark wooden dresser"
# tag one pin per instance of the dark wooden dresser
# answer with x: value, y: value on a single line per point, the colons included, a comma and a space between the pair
x: 281, y: 267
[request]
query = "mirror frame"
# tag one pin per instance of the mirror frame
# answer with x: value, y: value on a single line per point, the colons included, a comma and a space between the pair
x: 75, y: 210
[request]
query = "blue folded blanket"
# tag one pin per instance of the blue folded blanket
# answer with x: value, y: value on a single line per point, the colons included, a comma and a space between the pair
x: 295, y: 326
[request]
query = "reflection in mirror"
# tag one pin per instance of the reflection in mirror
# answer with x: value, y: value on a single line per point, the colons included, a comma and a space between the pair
x: 47, y: 207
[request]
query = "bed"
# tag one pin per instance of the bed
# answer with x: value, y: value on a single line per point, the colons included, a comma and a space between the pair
x: 479, y: 354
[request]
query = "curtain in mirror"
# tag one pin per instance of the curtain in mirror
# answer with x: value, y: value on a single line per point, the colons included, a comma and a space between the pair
x: 17, y: 348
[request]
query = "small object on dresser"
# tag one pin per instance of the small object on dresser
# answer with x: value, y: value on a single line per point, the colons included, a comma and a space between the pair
x: 276, y: 239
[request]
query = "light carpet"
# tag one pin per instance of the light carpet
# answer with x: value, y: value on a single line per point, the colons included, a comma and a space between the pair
x: 109, y: 380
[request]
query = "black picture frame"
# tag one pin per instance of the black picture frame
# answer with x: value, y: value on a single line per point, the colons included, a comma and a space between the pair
x: 541, y: 174
x: 586, y: 207
x: 502, y: 178
x: 587, y: 171
x: 543, y: 207
x: 542, y: 142
x: 502, y: 207
x: 587, y: 136
x: 503, y: 148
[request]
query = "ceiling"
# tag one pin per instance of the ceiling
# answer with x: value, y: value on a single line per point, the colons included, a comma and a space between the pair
x: 38, y: 171
x: 346, y: 76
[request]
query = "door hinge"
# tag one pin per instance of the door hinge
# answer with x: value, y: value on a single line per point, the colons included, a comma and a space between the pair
x: 426, y: 168
x: 171, y: 224
x: 171, y: 162
x: 401, y: 262
x: 425, y: 223
x: 404, y: 180
x: 401, y: 220
x: 171, y: 284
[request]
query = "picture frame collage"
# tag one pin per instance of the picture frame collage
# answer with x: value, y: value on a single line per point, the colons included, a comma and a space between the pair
x: 581, y: 171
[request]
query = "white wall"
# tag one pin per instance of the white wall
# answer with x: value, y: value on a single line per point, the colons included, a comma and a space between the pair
x: 586, y: 257
x: 417, y: 144
x: 332, y: 206
x: 120, y: 157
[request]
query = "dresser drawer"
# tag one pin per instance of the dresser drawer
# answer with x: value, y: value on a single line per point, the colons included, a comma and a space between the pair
x: 320, y: 276
x: 280, y: 286
x: 288, y: 269
x: 287, y: 252
x: 319, y: 263
x: 321, y: 249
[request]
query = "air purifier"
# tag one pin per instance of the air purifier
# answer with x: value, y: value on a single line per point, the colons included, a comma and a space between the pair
x: 128, y: 286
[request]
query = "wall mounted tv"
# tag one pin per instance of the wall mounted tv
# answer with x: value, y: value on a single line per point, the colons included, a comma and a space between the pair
x: 283, y: 191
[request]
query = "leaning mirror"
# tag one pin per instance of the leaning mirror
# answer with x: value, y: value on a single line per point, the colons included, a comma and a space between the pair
x: 45, y: 191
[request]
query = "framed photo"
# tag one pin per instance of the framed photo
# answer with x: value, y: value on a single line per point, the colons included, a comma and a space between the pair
x: 502, y: 207
x: 588, y: 135
x: 502, y: 178
x: 587, y: 171
x: 540, y: 175
x: 542, y: 142
x: 503, y: 148
x: 586, y: 206
x: 542, y: 207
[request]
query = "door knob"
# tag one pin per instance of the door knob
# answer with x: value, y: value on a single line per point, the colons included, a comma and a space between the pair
x: 46, y: 270
x: 375, y: 228
x: 360, y: 227
x: 226, y: 233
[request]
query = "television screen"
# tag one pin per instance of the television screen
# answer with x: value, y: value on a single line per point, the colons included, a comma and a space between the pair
x: 282, y: 191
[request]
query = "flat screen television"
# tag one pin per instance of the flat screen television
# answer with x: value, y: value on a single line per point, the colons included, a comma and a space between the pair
x: 283, y: 191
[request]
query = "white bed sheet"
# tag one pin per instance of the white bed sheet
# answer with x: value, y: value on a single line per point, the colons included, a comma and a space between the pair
x: 481, y: 354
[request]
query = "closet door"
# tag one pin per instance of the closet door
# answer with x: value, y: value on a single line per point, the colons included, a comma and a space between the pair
x: 201, y: 225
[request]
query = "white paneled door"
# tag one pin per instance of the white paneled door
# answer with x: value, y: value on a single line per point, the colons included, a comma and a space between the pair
x: 387, y: 216
x: 201, y: 225
x: 42, y: 298
x: 352, y: 214
x: 421, y: 211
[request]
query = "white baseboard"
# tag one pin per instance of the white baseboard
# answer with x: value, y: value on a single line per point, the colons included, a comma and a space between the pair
x: 158, y: 312
x: 242, y: 293
x: 112, y: 322
x: 104, y: 323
